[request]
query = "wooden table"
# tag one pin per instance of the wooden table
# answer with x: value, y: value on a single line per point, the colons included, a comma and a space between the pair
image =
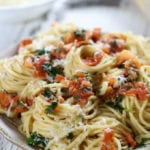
x: 122, y: 17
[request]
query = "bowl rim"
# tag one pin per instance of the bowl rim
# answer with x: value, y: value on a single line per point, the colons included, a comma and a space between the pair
x: 23, y: 6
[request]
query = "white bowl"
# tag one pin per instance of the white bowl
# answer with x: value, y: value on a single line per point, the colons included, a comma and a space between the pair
x: 24, y: 12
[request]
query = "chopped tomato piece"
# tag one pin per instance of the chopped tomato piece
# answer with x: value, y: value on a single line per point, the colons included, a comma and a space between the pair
x: 5, y: 100
x: 129, y: 139
x: 83, y: 102
x: 80, y: 88
x: 38, y: 67
x: 111, y: 81
x: 19, y: 109
x: 139, y: 90
x: 93, y: 61
x: 29, y: 101
x: 108, y: 140
x: 96, y: 34
x: 59, y: 78
x: 25, y: 42
x: 80, y: 74
x: 58, y: 54
x: 56, y: 110
x: 85, y: 83
x: 116, y: 43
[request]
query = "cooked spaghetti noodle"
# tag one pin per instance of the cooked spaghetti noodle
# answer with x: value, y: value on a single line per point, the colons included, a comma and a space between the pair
x: 77, y: 89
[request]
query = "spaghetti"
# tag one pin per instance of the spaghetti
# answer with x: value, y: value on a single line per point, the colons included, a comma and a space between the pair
x: 77, y: 89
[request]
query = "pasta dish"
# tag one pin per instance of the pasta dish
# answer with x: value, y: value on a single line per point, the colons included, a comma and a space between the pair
x: 79, y: 89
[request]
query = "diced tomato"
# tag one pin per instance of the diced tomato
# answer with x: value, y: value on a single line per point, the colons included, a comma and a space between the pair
x: 25, y: 42
x: 85, y: 83
x: 55, y: 55
x: 15, y: 99
x: 116, y: 43
x: 116, y: 46
x: 19, y: 109
x: 108, y: 140
x: 73, y: 88
x: 59, y: 78
x: 96, y: 34
x: 129, y: 139
x: 80, y: 88
x: 79, y: 74
x: 56, y: 110
x: 111, y: 81
x: 85, y: 95
x: 58, y: 54
x: 5, y: 100
x: 83, y: 102
x: 29, y: 101
x: 139, y: 90
x: 38, y: 67
x: 93, y: 61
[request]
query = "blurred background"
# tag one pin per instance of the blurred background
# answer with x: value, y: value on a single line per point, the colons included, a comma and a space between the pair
x: 20, y: 19
x: 25, y: 18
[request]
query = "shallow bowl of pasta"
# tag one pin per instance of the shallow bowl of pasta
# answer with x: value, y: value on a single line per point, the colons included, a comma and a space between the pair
x: 73, y: 88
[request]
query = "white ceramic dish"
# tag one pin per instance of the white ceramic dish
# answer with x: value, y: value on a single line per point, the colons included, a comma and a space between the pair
x: 19, y: 13
x: 9, y: 128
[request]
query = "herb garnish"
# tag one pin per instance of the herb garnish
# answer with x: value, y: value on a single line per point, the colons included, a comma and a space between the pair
x: 88, y: 76
x: 70, y: 136
x: 116, y: 104
x: 37, y: 140
x: 19, y: 103
x: 86, y: 89
x: 80, y: 33
x: 80, y: 116
x: 143, y: 141
x: 52, y: 70
x: 42, y: 51
x: 77, y: 97
x: 49, y: 94
x: 50, y: 108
